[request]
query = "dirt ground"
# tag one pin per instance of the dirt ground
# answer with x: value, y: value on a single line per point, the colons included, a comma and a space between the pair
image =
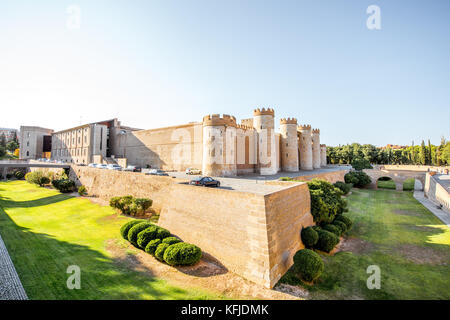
x: 208, y: 274
x: 421, y: 255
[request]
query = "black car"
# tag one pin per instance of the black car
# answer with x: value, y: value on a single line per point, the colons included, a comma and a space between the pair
x: 205, y: 181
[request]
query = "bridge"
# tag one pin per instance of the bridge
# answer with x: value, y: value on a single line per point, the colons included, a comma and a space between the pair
x: 398, y: 176
x: 17, y: 164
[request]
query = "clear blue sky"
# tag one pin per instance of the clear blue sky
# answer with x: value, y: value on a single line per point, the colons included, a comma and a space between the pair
x: 159, y: 63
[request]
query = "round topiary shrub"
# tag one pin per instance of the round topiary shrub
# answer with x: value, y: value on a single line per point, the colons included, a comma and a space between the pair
x: 182, y: 254
x: 309, y: 237
x: 145, y: 236
x: 308, y: 265
x: 160, y: 249
x: 346, y: 220
x: 127, y: 226
x: 316, y: 228
x: 171, y: 240
x: 19, y: 174
x: 162, y: 233
x: 327, y: 241
x: 333, y: 228
x: 341, y: 225
x: 135, y: 230
x: 152, y: 245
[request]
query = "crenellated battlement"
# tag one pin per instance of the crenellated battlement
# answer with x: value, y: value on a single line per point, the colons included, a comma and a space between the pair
x: 263, y: 111
x: 244, y: 127
x: 304, y: 127
x: 217, y: 120
x: 316, y: 131
x: 323, y: 145
x: 288, y: 121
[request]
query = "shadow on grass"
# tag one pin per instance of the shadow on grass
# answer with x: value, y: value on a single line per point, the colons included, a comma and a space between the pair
x: 34, y: 203
x: 42, y: 261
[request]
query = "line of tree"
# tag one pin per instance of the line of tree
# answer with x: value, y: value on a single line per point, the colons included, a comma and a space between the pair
x: 423, y: 154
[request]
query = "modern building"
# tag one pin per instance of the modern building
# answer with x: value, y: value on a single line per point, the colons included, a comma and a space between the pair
x: 9, y: 133
x: 35, y: 142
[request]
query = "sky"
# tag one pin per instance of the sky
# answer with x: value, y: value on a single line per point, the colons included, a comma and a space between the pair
x: 159, y: 63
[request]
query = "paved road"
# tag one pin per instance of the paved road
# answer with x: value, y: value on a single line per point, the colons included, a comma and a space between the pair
x: 10, y: 286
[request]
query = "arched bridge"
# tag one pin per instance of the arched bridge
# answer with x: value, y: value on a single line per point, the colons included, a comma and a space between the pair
x: 5, y: 165
x: 398, y: 176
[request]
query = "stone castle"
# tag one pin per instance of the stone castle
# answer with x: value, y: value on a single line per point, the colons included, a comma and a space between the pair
x: 217, y: 145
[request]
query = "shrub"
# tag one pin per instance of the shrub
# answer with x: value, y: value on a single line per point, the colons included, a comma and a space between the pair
x: 152, y: 245
x: 326, y: 201
x: 82, y: 190
x: 125, y: 205
x: 113, y: 202
x: 9, y: 176
x: 333, y: 229
x: 344, y: 187
x: 159, y: 252
x: 316, y: 228
x: 182, y: 254
x: 359, y: 179
x: 127, y: 226
x: 171, y: 240
x: 143, y: 204
x: 64, y: 185
x: 308, y: 265
x: 309, y: 237
x: 37, y: 177
x: 327, y: 241
x: 135, y: 230
x: 345, y: 220
x: 162, y: 233
x: 341, y: 225
x: 360, y: 164
x: 146, y: 235
x: 19, y: 174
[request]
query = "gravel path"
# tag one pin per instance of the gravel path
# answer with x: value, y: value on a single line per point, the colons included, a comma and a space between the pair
x: 10, y: 286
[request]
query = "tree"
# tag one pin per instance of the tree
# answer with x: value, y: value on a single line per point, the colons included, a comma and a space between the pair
x: 14, y: 138
x: 445, y: 155
x: 3, y: 141
x: 12, y: 146
x: 429, y: 154
x: 423, y: 154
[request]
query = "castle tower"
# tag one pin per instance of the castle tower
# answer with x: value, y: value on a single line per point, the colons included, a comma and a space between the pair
x: 316, y: 148
x: 289, y: 145
x: 219, y: 145
x: 323, y: 155
x: 305, y: 147
x: 264, y: 124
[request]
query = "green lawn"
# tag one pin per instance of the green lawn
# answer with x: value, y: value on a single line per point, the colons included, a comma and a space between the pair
x: 394, y: 231
x: 45, y: 232
x: 389, y: 184
x: 408, y: 185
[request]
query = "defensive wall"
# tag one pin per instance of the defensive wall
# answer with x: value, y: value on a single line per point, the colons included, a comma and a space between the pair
x: 331, y: 177
x: 437, y: 189
x: 253, y: 235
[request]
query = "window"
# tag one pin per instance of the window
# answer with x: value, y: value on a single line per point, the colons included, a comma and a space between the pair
x: 28, y: 153
x: 28, y: 143
x: 287, y: 144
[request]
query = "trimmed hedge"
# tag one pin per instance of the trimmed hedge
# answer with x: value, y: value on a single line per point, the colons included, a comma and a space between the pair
x: 145, y: 236
x: 359, y: 179
x: 326, y: 201
x: 171, y: 240
x: 182, y: 254
x: 327, y: 241
x: 19, y: 174
x: 130, y: 205
x: 64, y: 185
x: 309, y: 237
x: 127, y: 226
x: 152, y: 245
x: 333, y: 229
x: 135, y: 230
x: 344, y: 187
x: 308, y: 265
x: 341, y: 225
x: 162, y: 233
x: 346, y: 220
x: 160, y: 249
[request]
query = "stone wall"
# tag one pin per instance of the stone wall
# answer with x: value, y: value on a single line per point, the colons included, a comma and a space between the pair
x: 331, y: 177
x: 252, y: 235
x: 436, y: 192
x: 412, y: 167
x: 109, y: 183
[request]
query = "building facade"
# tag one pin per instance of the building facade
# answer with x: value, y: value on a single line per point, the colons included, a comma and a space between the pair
x: 35, y: 142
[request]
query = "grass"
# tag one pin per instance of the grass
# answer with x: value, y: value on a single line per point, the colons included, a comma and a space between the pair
x: 394, y: 231
x: 408, y: 185
x: 389, y: 184
x: 45, y: 232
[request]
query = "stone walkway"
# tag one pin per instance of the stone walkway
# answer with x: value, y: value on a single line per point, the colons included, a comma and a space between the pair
x: 442, y: 214
x: 10, y: 286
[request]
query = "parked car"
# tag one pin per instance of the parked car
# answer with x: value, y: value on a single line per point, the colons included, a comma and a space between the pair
x: 102, y: 166
x: 205, y: 181
x: 92, y: 165
x: 132, y: 169
x: 157, y: 172
x: 114, y: 167
x: 193, y: 171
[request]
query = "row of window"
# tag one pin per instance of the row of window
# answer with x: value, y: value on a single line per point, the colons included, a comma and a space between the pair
x: 68, y: 138
x: 70, y: 152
